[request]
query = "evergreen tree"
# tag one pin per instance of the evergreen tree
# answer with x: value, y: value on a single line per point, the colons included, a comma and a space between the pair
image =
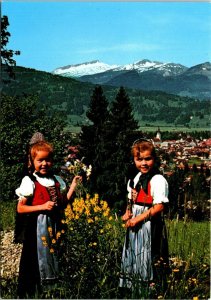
x: 119, y: 135
x: 106, y: 145
x: 92, y: 136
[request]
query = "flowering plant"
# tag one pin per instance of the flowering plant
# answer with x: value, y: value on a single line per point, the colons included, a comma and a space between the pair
x: 77, y: 167
x: 91, y: 243
x: 74, y: 167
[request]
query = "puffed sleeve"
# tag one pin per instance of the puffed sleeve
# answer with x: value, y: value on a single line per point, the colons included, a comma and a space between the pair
x: 159, y: 189
x: 63, y: 186
x: 26, y: 188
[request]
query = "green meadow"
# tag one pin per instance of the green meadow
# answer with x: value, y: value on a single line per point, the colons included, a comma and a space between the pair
x: 91, y: 256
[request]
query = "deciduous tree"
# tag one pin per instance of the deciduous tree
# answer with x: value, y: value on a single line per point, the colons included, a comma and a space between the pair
x: 7, y: 60
x: 20, y: 118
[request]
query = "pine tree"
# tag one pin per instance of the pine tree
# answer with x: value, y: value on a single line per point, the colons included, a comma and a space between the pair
x: 119, y: 135
x: 106, y: 145
x: 92, y: 136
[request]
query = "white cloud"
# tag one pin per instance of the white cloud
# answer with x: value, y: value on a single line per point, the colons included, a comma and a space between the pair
x: 127, y: 47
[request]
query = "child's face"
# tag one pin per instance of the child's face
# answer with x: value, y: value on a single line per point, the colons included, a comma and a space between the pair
x: 42, y: 162
x: 144, y: 161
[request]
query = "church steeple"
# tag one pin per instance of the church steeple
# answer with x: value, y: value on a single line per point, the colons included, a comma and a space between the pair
x: 158, y: 134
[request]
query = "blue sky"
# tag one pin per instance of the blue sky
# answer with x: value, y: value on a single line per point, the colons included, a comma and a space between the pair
x: 55, y: 34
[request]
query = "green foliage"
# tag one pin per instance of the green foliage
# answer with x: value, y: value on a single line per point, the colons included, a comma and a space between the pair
x: 20, y: 118
x: 97, y: 112
x: 6, y: 54
x: 8, y: 288
x: 94, y: 153
x: 93, y: 243
x: 183, y: 240
x: 66, y: 95
x: 7, y: 209
x: 120, y: 132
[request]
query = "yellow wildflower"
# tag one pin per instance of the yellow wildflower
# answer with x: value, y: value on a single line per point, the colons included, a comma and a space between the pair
x: 87, y: 212
x: 50, y: 229
x: 106, y: 213
x: 51, y: 250
x: 96, y: 196
x: 97, y: 209
x: 90, y: 220
x: 53, y: 241
x: 58, y: 234
x: 43, y: 238
x: 175, y: 270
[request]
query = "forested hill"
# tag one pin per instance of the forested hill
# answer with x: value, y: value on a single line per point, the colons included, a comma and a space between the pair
x: 73, y: 97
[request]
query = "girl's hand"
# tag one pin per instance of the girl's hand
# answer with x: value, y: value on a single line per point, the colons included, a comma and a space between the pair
x: 131, y: 222
x: 24, y: 208
x: 49, y: 205
x: 73, y: 185
x: 127, y: 215
x: 75, y: 181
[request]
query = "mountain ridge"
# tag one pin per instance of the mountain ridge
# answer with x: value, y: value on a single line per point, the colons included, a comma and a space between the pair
x: 87, y: 67
x: 147, y: 75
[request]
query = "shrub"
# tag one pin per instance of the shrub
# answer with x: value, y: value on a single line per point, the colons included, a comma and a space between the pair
x: 92, y: 248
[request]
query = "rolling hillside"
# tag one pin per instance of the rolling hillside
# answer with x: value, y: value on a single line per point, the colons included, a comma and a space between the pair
x: 72, y: 98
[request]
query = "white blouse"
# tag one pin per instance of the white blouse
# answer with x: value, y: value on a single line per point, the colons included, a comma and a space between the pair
x: 27, y: 186
x: 158, y: 186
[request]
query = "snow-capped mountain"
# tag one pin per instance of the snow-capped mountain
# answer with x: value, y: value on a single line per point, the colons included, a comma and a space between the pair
x: 146, y: 75
x: 88, y: 68
x: 97, y: 67
x: 146, y: 65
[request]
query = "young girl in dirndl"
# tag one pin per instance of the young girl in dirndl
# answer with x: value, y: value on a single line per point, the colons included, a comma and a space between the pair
x: 42, y: 197
x: 145, y: 240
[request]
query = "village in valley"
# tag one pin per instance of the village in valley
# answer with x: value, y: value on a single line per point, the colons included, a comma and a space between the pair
x: 184, y: 149
x: 190, y: 159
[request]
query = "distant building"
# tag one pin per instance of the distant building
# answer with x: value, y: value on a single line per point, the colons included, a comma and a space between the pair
x: 158, y: 135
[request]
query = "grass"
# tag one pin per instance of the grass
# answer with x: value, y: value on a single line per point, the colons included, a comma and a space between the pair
x: 8, y: 209
x: 75, y: 122
x: 189, y: 240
